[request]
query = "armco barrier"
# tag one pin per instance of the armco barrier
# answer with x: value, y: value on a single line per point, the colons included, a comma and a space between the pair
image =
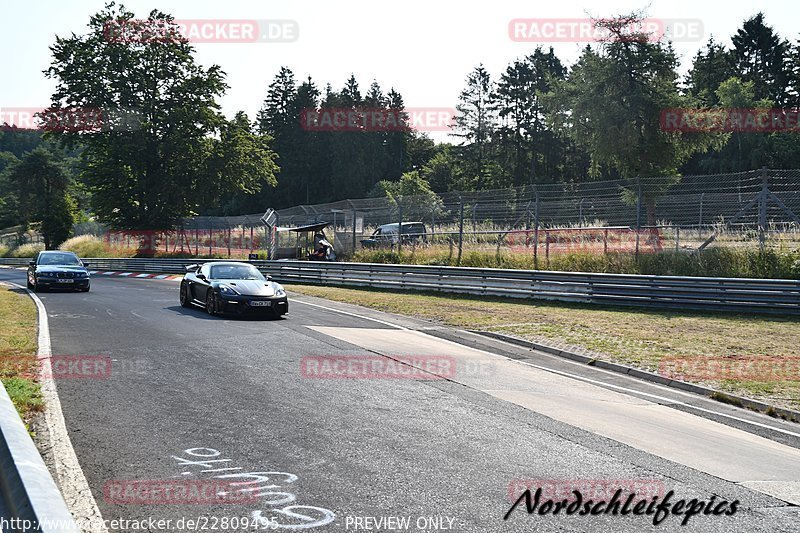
x: 775, y: 296
x: 28, y: 494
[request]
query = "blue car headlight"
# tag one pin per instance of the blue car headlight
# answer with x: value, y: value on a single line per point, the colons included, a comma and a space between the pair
x: 225, y: 290
x: 279, y: 291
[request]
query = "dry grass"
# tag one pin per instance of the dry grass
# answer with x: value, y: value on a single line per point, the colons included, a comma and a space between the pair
x: 18, y: 351
x: 637, y: 337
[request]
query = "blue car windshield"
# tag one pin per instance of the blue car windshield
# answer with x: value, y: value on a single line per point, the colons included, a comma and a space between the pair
x: 59, y: 259
x: 235, y: 272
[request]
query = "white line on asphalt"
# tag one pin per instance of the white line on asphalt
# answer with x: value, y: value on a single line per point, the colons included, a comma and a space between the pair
x: 350, y: 314
x: 71, y: 480
x: 626, y: 390
x: 634, y: 392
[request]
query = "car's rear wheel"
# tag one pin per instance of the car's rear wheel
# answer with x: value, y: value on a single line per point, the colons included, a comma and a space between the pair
x: 185, y: 300
x: 211, y: 303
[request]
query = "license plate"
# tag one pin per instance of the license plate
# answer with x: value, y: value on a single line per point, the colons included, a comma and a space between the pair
x: 66, y: 280
x: 260, y: 303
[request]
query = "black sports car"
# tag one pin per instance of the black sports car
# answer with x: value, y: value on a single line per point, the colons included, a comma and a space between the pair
x: 228, y: 287
x: 53, y: 269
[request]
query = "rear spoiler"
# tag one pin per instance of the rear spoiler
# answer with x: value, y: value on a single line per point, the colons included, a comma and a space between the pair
x: 192, y: 268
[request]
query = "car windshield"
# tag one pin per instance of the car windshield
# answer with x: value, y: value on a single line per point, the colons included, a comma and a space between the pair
x: 59, y: 259
x: 235, y: 272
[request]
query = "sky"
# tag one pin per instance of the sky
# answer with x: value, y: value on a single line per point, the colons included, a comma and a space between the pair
x: 422, y: 48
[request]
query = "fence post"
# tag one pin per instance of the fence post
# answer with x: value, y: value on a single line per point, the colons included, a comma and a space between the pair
x: 580, y: 213
x: 605, y: 241
x: 536, y: 233
x: 460, y: 229
x: 527, y: 225
x: 762, y: 209
x: 355, y: 243
x: 638, y: 213
x: 210, y: 235
x: 547, y: 247
x: 399, y: 226
x: 677, y: 238
x: 702, y: 196
x: 229, y: 243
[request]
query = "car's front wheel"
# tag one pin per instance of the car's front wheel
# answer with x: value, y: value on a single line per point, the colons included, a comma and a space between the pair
x: 211, y: 303
x: 185, y: 300
x: 30, y: 285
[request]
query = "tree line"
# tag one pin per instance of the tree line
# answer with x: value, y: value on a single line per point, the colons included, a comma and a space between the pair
x: 174, y: 154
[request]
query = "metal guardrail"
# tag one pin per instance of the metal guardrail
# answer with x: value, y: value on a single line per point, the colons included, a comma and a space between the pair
x: 774, y: 296
x: 29, y: 498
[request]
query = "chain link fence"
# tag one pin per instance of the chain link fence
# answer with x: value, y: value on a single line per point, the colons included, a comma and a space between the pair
x: 747, y: 209
x: 648, y: 215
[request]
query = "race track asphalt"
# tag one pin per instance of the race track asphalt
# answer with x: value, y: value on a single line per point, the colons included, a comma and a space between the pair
x: 191, y: 397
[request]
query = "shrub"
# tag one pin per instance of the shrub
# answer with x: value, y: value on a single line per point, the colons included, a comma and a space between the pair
x: 87, y: 246
x: 3, y: 250
x: 26, y: 250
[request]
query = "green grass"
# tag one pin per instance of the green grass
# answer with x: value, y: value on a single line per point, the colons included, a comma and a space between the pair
x: 714, y: 262
x: 18, y: 352
x: 636, y: 337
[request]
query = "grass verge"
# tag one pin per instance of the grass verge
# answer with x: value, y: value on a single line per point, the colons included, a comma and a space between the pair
x: 18, y: 352
x: 713, y: 349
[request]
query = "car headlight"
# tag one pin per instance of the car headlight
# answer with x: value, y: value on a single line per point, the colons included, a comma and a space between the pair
x: 227, y: 291
x: 279, y: 291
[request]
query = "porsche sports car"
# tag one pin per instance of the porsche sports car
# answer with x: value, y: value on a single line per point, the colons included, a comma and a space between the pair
x: 230, y: 287
x: 54, y: 269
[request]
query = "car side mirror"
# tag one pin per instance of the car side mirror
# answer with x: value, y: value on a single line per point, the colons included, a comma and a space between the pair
x: 85, y: 264
x: 201, y: 276
x: 31, y: 263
